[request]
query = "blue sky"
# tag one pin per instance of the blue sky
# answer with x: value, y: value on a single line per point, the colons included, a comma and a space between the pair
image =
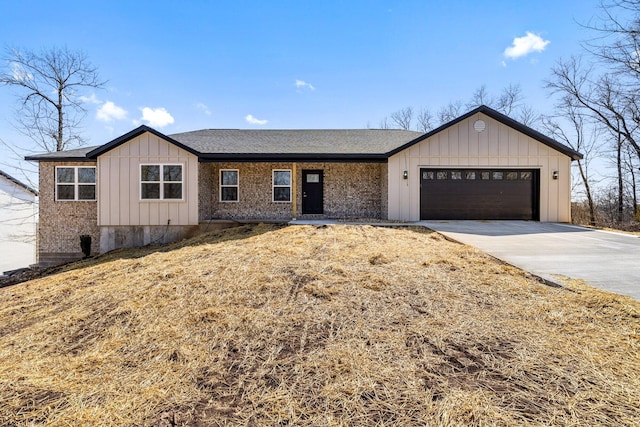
x: 186, y: 65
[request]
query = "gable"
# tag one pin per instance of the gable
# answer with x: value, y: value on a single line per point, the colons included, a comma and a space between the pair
x: 497, y: 125
x: 147, y: 146
x: 136, y: 133
x: 496, y: 144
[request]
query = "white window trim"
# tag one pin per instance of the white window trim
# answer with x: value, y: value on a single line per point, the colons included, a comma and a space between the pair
x: 161, y: 182
x: 75, y: 184
x: 237, y: 186
x: 274, y: 186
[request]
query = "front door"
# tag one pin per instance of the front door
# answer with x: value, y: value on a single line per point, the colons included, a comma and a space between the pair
x: 312, y: 196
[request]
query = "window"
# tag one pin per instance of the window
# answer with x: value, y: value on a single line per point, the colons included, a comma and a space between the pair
x: 229, y: 185
x: 525, y: 176
x: 456, y: 174
x: 281, y: 185
x: 75, y: 183
x: 161, y: 182
x: 512, y: 176
x: 428, y: 175
x: 497, y: 175
x: 470, y: 175
x: 313, y: 178
x: 441, y: 175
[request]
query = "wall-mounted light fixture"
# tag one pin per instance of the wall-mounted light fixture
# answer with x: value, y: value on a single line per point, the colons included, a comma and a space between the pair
x: 554, y: 174
x: 405, y: 174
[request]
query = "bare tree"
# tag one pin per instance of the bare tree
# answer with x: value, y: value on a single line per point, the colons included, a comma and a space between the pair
x: 509, y: 100
x: 619, y: 142
x: 49, y: 85
x: 403, y: 118
x: 599, y: 97
x: 384, y: 124
x: 425, y: 120
x: 449, y: 112
x: 617, y: 37
x: 480, y: 97
x: 528, y: 116
x: 631, y: 167
x: 578, y: 135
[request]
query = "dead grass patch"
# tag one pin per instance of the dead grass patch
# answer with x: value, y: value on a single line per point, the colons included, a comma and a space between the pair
x: 302, y: 325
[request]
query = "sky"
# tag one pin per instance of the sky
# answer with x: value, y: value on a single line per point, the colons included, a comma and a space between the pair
x: 186, y: 65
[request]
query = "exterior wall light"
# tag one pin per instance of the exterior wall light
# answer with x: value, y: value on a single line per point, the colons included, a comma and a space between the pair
x: 554, y: 175
x: 405, y: 174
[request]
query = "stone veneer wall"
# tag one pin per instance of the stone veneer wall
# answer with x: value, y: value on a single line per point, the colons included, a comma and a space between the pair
x: 255, y: 193
x: 384, y: 191
x: 62, y: 223
x: 351, y: 190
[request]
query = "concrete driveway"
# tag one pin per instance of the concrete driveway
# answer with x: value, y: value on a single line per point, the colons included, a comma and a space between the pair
x: 609, y: 261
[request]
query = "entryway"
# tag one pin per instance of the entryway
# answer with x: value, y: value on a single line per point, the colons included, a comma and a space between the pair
x: 312, y: 192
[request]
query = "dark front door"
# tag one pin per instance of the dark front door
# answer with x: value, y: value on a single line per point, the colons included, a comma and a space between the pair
x: 479, y: 194
x: 312, y: 197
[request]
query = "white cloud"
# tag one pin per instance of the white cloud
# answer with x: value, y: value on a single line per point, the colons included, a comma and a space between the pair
x: 19, y: 73
x: 301, y: 84
x: 203, y: 107
x: 156, y: 117
x: 109, y: 112
x: 89, y: 99
x: 525, y: 45
x: 250, y: 119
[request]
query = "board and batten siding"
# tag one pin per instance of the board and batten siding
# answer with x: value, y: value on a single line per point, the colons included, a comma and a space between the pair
x: 118, y: 185
x: 498, y: 146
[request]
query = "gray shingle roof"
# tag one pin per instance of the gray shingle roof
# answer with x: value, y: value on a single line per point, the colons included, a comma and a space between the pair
x: 263, y: 144
x: 78, y: 155
x: 325, y: 141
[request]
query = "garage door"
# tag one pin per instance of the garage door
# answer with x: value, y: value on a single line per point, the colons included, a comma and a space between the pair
x: 479, y: 194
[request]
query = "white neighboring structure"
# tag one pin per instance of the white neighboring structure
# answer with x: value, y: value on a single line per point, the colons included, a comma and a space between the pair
x: 18, y: 218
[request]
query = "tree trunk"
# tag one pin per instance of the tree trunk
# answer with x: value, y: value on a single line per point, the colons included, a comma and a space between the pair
x: 633, y: 187
x: 587, y: 189
x: 635, y: 196
x: 620, y: 183
x: 59, y: 136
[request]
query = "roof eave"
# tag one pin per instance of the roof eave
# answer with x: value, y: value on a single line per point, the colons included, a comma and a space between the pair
x: 58, y: 159
x: 19, y: 183
x: 293, y: 157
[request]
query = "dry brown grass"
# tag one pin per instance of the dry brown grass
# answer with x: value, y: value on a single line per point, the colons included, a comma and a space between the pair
x: 335, y: 325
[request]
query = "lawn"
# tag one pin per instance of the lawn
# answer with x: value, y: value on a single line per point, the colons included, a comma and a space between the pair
x: 342, y: 325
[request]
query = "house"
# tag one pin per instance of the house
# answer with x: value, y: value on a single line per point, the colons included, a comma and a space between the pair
x: 146, y: 187
x: 18, y: 216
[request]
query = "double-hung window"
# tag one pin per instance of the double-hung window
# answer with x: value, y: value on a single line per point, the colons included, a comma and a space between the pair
x: 76, y: 183
x: 229, y: 185
x: 161, y: 182
x: 281, y: 185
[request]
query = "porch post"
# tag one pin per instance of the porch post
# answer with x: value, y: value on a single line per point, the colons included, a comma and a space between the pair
x: 294, y: 192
